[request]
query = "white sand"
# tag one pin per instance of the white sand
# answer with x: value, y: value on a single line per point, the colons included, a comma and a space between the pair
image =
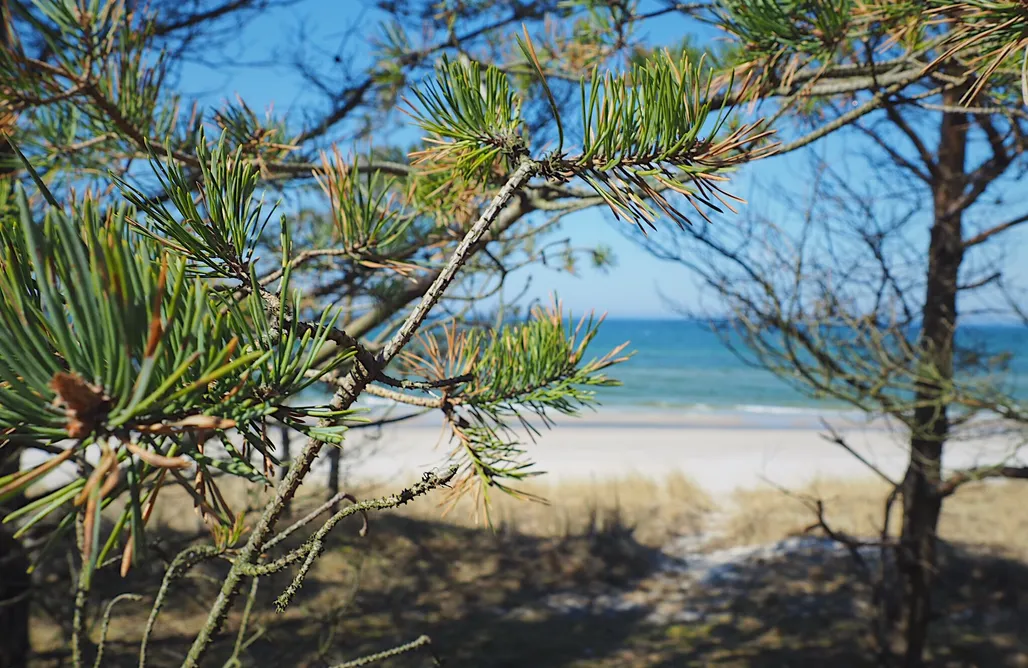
x: 719, y: 452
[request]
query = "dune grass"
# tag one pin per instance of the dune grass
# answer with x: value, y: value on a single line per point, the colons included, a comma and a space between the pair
x: 990, y: 515
x: 478, y: 592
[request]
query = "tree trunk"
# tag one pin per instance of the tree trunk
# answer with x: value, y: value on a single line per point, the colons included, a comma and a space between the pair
x: 15, y: 584
x: 921, y: 499
x: 15, y: 602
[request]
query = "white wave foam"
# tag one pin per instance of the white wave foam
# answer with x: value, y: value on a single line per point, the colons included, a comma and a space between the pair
x: 764, y: 409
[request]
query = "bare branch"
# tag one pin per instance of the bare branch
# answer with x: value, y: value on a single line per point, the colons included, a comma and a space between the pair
x: 927, y: 159
x: 895, y: 155
x: 302, y: 258
x: 430, y: 481
x: 352, y: 98
x: 308, y: 518
x: 404, y: 384
x: 985, y: 235
x: 834, y: 436
x: 393, y: 395
x: 423, y: 641
x: 841, y: 121
x: 990, y: 170
x: 976, y: 111
x: 981, y: 282
x: 183, y: 22
x: 959, y: 478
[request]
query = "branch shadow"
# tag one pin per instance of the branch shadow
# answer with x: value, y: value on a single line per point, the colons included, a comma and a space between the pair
x: 495, y: 600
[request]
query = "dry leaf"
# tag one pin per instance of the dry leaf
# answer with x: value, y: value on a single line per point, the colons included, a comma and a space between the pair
x: 156, y: 460
x: 197, y: 422
x: 85, y: 404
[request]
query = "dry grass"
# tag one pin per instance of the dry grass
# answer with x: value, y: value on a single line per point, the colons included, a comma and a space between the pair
x: 987, y: 514
x: 459, y: 582
x: 654, y: 510
x: 990, y: 515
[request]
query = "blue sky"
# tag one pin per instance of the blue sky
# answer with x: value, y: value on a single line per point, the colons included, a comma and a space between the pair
x: 632, y: 289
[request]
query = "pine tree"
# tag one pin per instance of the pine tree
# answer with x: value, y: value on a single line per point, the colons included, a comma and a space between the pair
x: 144, y: 318
x: 154, y: 301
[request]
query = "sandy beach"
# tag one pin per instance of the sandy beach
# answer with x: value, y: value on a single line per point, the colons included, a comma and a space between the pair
x: 720, y: 452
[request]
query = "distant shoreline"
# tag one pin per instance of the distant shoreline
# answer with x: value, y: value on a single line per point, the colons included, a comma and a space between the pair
x: 647, y: 418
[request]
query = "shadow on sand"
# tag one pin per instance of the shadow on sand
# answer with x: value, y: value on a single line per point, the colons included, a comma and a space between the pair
x: 491, y: 600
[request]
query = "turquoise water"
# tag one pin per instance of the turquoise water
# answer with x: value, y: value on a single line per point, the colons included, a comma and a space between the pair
x: 684, y: 365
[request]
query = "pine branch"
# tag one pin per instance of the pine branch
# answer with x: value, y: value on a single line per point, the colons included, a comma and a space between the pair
x: 524, y: 172
x: 404, y: 384
x: 357, y: 380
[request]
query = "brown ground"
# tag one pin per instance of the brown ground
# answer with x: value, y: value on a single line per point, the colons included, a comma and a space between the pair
x: 480, y: 594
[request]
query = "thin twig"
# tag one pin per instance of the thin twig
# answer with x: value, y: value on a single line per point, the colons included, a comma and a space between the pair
x: 392, y: 420
x: 79, y: 619
x: 98, y: 662
x: 835, y: 437
x: 302, y: 258
x: 851, y: 543
x: 399, y: 397
x: 308, y: 518
x: 233, y: 661
x: 316, y: 543
x: 82, y: 586
x: 423, y: 641
x: 182, y: 562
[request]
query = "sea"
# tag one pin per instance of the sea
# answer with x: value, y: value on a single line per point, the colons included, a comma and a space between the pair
x: 684, y: 367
